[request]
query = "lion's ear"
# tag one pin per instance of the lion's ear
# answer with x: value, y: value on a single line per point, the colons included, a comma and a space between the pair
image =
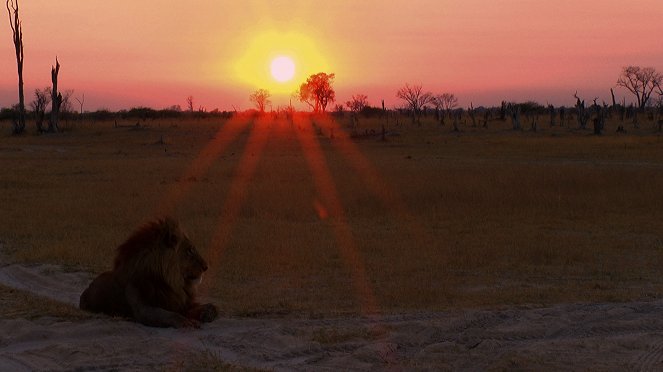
x: 169, y: 232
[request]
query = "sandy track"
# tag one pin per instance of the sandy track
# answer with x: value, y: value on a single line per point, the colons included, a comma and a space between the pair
x: 565, y: 337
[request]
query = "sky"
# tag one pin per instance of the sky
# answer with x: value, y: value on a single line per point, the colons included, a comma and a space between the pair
x: 155, y: 53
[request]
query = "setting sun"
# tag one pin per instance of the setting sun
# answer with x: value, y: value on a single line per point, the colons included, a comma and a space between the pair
x: 279, y: 61
x: 283, y: 68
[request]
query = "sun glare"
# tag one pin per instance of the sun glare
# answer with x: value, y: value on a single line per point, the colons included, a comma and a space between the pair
x: 279, y: 61
x: 283, y: 68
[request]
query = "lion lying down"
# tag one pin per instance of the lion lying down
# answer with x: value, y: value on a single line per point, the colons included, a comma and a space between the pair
x: 153, y: 281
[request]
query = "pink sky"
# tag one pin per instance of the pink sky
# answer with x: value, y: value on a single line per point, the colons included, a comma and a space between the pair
x: 127, y: 53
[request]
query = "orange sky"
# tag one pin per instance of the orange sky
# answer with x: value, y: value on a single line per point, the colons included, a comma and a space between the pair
x: 126, y: 53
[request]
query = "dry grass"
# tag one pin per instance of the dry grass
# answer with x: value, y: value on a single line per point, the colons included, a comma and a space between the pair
x: 487, y: 217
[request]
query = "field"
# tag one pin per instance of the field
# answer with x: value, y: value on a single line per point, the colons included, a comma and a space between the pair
x: 298, y: 218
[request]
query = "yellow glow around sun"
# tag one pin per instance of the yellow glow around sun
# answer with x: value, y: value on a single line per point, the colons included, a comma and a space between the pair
x: 279, y: 62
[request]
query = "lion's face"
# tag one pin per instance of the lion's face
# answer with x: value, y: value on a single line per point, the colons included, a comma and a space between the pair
x: 192, y: 265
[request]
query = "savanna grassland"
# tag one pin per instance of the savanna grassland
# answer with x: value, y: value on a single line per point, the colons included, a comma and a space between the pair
x: 299, y: 218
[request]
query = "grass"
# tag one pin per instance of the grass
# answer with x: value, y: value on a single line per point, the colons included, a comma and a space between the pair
x: 427, y: 220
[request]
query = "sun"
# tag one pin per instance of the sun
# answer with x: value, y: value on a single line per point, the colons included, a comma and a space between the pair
x: 278, y: 61
x: 282, y: 68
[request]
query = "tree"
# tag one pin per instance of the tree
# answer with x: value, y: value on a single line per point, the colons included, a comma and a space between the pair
x: 17, y: 36
x: 56, y: 98
x: 42, y: 99
x: 317, y: 91
x: 261, y: 99
x: 583, y: 113
x: 189, y: 103
x: 446, y: 102
x: 415, y: 98
x: 81, y: 102
x: 357, y: 103
x: 641, y: 82
x: 66, y: 106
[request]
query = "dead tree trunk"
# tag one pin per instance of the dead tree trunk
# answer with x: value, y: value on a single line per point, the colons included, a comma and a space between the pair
x: 470, y: 111
x: 456, y: 119
x: 553, y: 114
x: 56, y: 99
x: 599, y: 120
x: 515, y: 117
x: 17, y: 36
x: 81, y: 102
x: 583, y: 115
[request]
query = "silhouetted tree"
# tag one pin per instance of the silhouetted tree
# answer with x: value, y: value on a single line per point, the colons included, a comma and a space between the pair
x: 261, y: 99
x: 553, y: 114
x: 449, y: 101
x: 81, y: 102
x: 17, y: 36
x: 472, y: 114
x: 583, y: 114
x: 357, y: 103
x: 67, y: 105
x: 641, y: 82
x: 56, y: 98
x: 38, y: 105
x: 189, y: 103
x: 318, y: 91
x: 415, y: 98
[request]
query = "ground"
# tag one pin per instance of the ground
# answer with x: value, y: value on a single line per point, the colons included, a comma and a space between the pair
x: 597, y: 336
x: 337, y: 248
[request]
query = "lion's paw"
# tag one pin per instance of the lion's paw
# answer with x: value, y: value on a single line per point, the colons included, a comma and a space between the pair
x: 208, y: 312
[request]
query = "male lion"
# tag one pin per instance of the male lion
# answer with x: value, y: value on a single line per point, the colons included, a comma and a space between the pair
x: 153, y: 281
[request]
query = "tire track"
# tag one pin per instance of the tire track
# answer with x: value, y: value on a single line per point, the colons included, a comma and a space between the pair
x: 46, y: 281
x: 651, y: 360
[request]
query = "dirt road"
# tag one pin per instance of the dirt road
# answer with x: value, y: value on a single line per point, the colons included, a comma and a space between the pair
x: 601, y: 336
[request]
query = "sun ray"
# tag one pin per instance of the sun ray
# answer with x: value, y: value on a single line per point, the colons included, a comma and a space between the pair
x: 237, y: 194
x: 373, y: 180
x: 330, y: 202
x: 226, y: 134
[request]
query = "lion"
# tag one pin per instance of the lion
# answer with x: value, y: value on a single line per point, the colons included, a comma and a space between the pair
x: 154, y: 280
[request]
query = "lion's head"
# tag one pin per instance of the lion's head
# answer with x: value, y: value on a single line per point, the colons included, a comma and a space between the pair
x: 161, y: 250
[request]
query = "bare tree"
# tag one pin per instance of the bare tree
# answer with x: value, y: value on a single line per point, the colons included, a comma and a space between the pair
x: 67, y: 105
x: 357, y: 103
x: 446, y: 102
x: 641, y: 82
x: 17, y: 37
x: 415, y: 99
x: 583, y: 114
x: 189, y: 103
x: 261, y: 99
x: 81, y: 102
x: 450, y: 101
x: 471, y: 112
x: 42, y: 99
x: 318, y: 91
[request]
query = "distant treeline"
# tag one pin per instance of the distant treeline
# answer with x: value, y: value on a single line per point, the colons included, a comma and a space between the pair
x: 142, y: 113
x: 145, y: 113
